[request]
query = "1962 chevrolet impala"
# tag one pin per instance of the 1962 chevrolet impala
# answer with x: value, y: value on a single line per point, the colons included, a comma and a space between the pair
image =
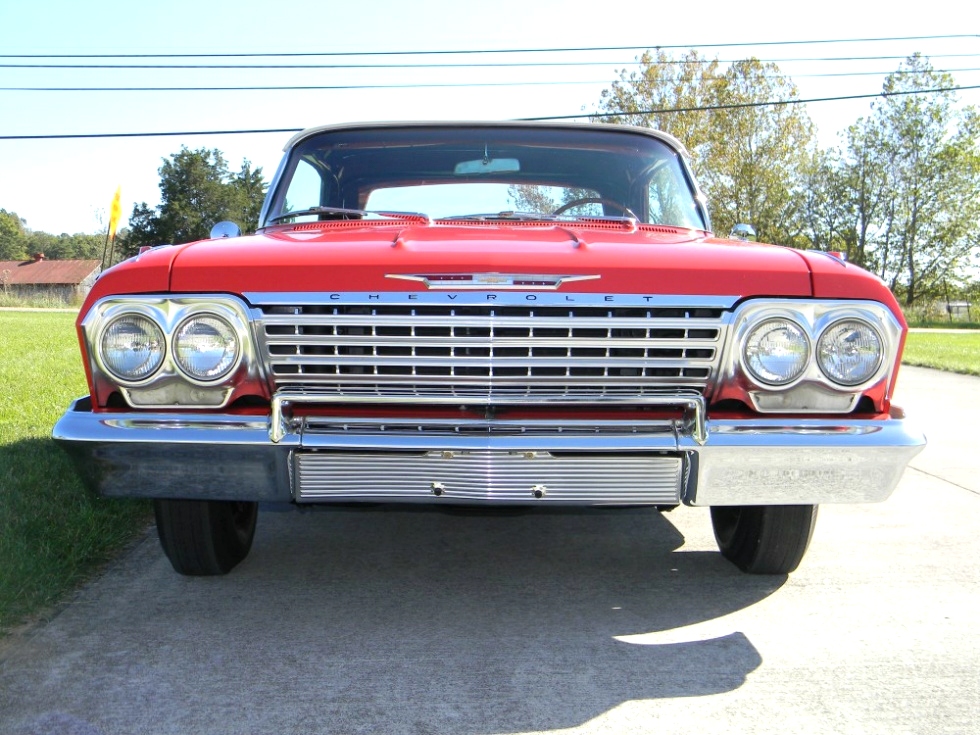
x: 502, y: 313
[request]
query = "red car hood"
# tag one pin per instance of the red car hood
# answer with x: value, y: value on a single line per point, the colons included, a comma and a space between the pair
x: 354, y: 256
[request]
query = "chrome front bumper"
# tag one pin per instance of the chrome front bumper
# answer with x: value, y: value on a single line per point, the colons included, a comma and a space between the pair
x: 695, y: 461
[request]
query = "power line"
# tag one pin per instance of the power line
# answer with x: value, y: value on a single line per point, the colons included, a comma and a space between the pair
x: 461, y: 52
x: 900, y: 72
x: 302, y: 88
x: 451, y: 65
x: 148, y: 135
x: 622, y: 113
x: 739, y: 105
x: 422, y: 85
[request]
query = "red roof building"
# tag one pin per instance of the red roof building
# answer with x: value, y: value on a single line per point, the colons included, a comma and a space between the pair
x: 65, y: 279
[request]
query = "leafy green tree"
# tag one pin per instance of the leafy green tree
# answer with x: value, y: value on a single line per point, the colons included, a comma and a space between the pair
x: 197, y: 190
x: 825, y: 219
x: 760, y: 154
x: 249, y: 187
x: 863, y: 192
x: 751, y: 157
x: 678, y: 87
x: 542, y: 199
x: 13, y: 238
x: 142, y: 229
x: 66, y: 247
x: 914, y: 171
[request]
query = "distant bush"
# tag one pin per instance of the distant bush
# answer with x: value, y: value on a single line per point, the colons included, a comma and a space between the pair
x: 37, y: 301
x: 935, y: 314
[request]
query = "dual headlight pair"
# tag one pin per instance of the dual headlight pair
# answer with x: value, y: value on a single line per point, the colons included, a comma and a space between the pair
x: 133, y: 347
x: 848, y: 352
x: 169, y: 351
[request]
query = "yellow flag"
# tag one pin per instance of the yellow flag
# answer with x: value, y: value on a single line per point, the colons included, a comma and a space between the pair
x: 115, y: 212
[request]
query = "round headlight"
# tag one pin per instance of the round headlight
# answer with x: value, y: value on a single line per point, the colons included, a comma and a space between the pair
x: 206, y: 347
x: 849, y: 352
x: 132, y: 347
x: 776, y: 351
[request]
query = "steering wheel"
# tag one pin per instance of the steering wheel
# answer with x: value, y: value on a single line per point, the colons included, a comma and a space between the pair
x: 594, y: 200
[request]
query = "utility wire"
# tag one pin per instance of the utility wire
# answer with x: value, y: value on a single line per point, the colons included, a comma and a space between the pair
x: 739, y: 105
x: 592, y: 115
x: 742, y: 44
x: 417, y: 85
x: 430, y: 85
x: 451, y: 65
x: 301, y: 88
x: 148, y: 135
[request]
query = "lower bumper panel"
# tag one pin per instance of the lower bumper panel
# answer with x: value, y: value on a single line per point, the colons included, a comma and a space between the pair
x: 757, y: 462
x: 487, y: 476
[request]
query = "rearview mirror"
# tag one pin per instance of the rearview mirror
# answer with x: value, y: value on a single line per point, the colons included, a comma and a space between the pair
x: 487, y: 166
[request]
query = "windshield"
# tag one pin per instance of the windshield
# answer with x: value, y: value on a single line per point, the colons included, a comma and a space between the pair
x: 491, y: 172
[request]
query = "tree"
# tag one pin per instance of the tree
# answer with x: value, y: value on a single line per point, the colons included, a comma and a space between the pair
x: 197, y: 190
x: 913, y: 169
x: 679, y: 87
x: 13, y: 239
x: 864, y: 192
x: 65, y: 246
x: 534, y: 198
x: 249, y: 187
x: 142, y: 229
x: 750, y: 146
x: 760, y: 154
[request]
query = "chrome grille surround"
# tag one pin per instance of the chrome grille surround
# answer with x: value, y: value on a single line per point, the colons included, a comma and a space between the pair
x: 520, y: 347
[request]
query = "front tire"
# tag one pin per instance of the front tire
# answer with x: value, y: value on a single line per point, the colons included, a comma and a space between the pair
x: 205, y: 537
x: 764, y: 539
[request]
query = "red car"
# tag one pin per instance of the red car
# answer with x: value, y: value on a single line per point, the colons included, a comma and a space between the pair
x: 499, y: 313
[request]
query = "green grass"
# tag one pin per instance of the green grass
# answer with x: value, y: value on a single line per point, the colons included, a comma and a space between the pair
x: 957, y: 353
x: 53, y: 534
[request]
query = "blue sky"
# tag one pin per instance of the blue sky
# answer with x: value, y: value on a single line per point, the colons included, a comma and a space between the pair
x: 66, y: 185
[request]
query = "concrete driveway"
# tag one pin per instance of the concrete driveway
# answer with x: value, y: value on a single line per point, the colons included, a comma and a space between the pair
x: 604, y: 622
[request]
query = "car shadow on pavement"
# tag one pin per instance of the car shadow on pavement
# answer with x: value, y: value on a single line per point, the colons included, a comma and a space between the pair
x: 396, y: 620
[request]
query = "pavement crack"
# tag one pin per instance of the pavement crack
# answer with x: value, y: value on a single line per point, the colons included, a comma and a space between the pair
x: 943, y: 479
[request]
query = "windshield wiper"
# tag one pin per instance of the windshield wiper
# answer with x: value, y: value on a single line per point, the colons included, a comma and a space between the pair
x: 344, y: 213
x: 543, y: 217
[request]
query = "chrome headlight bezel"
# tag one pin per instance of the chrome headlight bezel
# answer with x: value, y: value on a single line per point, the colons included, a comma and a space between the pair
x: 813, y: 389
x: 170, y: 385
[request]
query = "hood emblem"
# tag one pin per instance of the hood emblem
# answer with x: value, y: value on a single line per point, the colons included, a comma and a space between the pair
x: 501, y: 281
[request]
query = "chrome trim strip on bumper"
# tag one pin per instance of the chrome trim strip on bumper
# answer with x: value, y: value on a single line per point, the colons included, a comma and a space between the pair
x: 693, y: 405
x: 750, y: 462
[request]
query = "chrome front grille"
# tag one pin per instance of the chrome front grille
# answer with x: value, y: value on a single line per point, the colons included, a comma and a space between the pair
x: 472, y: 350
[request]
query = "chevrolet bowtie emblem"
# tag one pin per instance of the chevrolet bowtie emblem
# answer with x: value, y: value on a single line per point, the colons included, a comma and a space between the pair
x: 502, y: 281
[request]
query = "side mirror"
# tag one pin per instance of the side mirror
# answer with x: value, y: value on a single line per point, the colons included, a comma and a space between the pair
x: 742, y: 232
x: 227, y: 228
